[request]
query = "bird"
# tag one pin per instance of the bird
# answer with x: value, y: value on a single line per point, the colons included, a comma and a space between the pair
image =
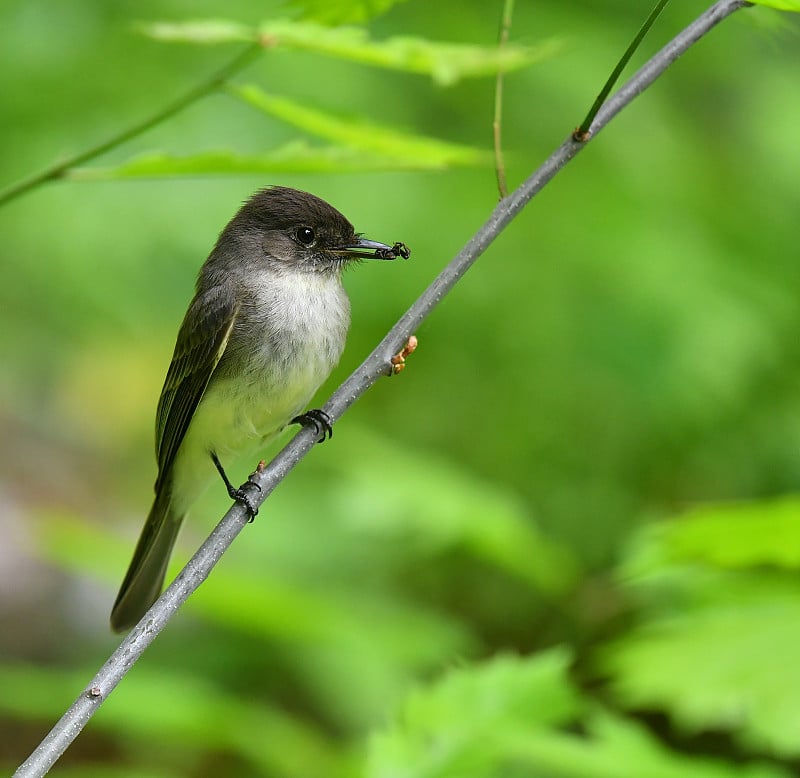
x: 266, y: 326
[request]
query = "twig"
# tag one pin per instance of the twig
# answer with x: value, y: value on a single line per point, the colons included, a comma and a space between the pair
x: 377, y: 364
x: 497, y: 126
x: 60, y: 169
x: 582, y: 132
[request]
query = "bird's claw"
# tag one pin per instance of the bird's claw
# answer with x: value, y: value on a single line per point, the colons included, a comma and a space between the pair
x: 243, y: 498
x: 319, y: 420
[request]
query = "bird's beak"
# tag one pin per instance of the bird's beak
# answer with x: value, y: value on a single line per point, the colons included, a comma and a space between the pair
x: 364, y: 248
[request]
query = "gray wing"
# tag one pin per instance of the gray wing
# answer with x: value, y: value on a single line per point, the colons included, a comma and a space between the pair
x: 201, y: 342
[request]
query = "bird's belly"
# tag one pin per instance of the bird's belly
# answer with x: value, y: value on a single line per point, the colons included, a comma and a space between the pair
x: 239, y: 413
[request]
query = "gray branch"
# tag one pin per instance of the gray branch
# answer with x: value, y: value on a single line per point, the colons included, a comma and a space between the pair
x: 377, y: 364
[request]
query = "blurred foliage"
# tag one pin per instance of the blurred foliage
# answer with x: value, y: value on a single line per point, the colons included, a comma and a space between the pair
x: 719, y: 623
x: 781, y: 5
x: 444, y: 62
x: 364, y: 146
x: 342, y: 11
x: 479, y: 575
x: 508, y: 717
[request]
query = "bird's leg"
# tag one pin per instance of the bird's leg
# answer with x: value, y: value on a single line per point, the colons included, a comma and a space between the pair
x: 319, y: 420
x: 240, y: 495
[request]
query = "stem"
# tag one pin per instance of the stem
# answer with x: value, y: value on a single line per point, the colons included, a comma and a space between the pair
x: 62, y: 168
x: 582, y: 132
x: 499, y: 164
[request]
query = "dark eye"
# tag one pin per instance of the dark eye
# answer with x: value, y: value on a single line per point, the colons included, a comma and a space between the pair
x: 306, y: 236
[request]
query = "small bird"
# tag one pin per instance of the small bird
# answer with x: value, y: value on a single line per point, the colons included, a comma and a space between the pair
x: 266, y: 326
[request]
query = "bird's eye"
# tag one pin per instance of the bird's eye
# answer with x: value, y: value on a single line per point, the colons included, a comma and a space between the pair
x: 306, y: 236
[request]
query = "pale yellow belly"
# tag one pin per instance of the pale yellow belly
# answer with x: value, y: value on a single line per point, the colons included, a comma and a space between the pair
x: 235, y: 421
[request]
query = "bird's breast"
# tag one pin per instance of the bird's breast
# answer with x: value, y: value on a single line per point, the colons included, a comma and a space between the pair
x: 288, y: 336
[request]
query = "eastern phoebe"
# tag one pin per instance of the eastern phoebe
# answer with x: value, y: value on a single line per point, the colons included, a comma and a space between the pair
x: 265, y: 328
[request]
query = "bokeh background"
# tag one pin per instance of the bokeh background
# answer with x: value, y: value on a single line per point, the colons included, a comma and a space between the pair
x: 627, y: 349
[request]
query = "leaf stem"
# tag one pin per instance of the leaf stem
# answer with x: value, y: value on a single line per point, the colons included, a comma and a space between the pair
x: 60, y: 169
x: 499, y: 163
x: 582, y: 132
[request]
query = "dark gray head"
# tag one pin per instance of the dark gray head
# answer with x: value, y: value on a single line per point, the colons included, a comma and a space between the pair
x: 290, y: 230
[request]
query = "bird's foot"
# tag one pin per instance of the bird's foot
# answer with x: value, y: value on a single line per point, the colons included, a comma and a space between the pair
x: 240, y: 494
x: 243, y: 498
x: 319, y: 420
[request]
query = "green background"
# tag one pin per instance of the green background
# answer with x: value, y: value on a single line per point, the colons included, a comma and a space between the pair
x: 626, y: 349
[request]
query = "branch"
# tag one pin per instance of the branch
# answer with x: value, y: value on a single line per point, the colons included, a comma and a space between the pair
x: 377, y: 364
x: 60, y: 169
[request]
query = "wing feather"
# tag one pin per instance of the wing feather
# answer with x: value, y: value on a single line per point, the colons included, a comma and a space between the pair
x: 201, y: 342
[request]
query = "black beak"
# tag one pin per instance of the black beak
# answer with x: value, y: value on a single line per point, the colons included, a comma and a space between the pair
x: 364, y: 248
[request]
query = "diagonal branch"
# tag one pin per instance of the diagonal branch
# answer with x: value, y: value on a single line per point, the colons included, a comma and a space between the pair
x: 377, y: 364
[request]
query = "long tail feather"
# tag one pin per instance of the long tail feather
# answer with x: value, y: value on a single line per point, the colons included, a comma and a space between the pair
x: 145, y: 577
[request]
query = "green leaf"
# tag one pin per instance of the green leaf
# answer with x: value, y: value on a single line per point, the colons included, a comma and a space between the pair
x: 446, y: 63
x: 202, y: 31
x: 294, y: 157
x: 447, y: 728
x: 781, y: 5
x: 728, y: 535
x: 719, y: 625
x: 613, y: 747
x: 508, y: 717
x: 717, y: 650
x: 342, y: 11
x: 416, y: 151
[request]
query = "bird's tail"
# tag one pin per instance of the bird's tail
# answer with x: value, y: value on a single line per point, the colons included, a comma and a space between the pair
x: 145, y: 577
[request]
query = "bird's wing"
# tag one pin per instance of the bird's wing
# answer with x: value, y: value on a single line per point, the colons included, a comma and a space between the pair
x: 201, y: 342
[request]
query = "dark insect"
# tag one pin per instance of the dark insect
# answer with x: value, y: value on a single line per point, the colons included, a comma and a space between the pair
x: 398, y: 250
